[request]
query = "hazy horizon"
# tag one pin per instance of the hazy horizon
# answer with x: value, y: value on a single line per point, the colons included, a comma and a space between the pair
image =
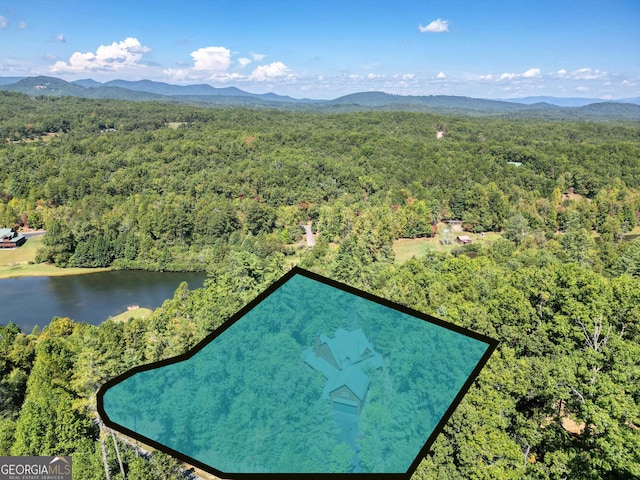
x: 493, y: 49
x: 560, y: 100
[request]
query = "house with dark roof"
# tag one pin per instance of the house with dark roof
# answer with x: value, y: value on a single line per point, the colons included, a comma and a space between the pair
x: 341, y: 359
x: 9, y: 238
x: 463, y: 239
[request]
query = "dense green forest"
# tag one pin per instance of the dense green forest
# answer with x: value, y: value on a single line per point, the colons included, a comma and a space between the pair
x: 173, y: 187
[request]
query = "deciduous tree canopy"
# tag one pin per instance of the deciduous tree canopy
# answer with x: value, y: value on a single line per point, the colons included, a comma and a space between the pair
x: 228, y: 191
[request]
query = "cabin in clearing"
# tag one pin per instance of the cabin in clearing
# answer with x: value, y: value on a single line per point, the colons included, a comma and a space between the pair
x: 9, y: 238
x: 463, y: 239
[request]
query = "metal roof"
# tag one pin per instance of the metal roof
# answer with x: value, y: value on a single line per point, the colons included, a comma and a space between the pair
x: 353, y: 378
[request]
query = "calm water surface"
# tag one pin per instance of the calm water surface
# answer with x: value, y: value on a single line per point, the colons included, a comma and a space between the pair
x: 91, y: 298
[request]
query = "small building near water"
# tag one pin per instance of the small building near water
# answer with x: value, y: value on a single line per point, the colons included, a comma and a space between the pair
x: 9, y: 238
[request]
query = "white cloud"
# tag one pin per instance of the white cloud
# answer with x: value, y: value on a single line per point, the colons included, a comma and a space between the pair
x: 531, y: 73
x: 49, y: 57
x: 455, y: 83
x: 22, y: 25
x: 437, y: 26
x: 215, y: 64
x: 582, y: 89
x: 374, y: 76
x: 223, y: 77
x: 211, y: 59
x: 114, y: 57
x: 4, y: 23
x: 177, y: 74
x: 404, y: 77
x: 257, y: 56
x: 441, y: 76
x: 60, y: 38
x: 581, y: 74
x: 272, y: 71
x: 587, y: 74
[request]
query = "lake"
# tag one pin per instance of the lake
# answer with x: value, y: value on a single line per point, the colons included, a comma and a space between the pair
x: 90, y: 298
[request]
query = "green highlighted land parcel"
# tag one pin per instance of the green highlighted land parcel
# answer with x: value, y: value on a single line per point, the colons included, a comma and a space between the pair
x: 312, y: 377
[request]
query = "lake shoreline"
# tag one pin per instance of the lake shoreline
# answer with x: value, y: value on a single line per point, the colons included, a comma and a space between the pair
x: 20, y: 261
x: 92, y: 299
x: 44, y: 270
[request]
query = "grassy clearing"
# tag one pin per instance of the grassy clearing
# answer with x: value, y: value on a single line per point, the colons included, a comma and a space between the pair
x: 43, y: 270
x: 135, y: 313
x: 46, y: 137
x: 24, y: 254
x: 407, y: 248
x: 15, y: 263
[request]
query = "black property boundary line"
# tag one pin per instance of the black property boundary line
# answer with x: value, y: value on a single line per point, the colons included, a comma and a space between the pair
x: 305, y: 476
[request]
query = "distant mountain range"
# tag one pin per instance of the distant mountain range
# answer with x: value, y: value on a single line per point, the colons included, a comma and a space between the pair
x: 570, y: 101
x: 542, y: 107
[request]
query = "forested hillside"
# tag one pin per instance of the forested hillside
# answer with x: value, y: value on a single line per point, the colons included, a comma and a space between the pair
x: 172, y: 187
x: 206, y: 95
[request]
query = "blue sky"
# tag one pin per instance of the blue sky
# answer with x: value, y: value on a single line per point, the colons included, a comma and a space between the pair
x: 328, y: 48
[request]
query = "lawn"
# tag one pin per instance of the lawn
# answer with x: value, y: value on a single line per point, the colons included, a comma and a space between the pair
x: 135, y: 313
x: 407, y: 248
x: 15, y: 263
x: 23, y: 254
